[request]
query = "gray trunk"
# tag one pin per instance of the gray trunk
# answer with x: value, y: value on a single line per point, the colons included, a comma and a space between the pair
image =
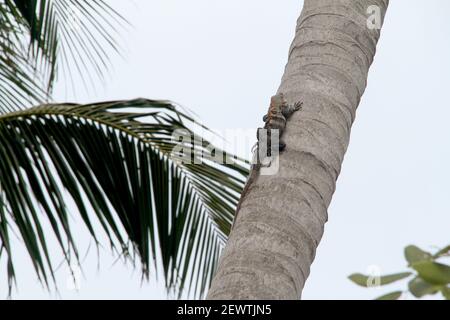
x: 281, y: 221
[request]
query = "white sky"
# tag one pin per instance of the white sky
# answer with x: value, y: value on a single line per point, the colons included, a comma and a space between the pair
x: 223, y: 60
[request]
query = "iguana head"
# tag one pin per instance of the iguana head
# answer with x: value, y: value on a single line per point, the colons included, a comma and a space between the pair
x: 277, y: 99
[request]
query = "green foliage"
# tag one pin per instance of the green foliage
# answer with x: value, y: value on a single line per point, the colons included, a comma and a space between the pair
x: 433, y: 272
x: 429, y: 276
x: 38, y: 38
x: 414, y: 254
x: 420, y: 288
x: 446, y: 293
x: 117, y: 162
x: 365, y: 281
x: 391, y: 296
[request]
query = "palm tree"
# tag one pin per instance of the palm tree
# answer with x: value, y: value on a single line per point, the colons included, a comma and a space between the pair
x: 118, y: 158
x: 117, y: 161
x: 281, y: 221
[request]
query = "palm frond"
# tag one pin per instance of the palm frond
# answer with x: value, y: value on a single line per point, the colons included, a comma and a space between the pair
x: 119, y: 164
x: 19, y: 80
x: 77, y: 32
x: 40, y: 38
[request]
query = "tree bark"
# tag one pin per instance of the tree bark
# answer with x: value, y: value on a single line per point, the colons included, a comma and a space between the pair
x: 281, y: 221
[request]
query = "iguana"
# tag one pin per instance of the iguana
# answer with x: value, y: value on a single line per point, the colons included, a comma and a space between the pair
x: 275, y: 119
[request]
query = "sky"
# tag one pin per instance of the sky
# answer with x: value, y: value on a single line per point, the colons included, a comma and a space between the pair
x: 223, y: 60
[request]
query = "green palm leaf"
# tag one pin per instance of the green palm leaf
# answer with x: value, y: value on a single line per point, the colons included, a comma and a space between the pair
x: 19, y: 80
x: 38, y: 38
x: 117, y: 161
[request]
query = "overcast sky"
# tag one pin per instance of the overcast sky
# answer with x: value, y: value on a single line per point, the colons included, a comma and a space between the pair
x: 224, y: 59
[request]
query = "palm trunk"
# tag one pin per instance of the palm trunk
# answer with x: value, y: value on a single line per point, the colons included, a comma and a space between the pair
x: 281, y: 221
